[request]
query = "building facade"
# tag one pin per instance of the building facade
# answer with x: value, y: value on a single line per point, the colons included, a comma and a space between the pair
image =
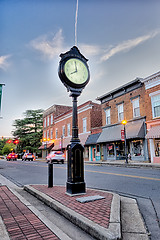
x: 126, y: 102
x: 58, y: 129
x: 152, y: 106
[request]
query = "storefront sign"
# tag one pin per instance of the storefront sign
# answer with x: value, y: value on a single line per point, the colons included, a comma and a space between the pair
x: 122, y: 135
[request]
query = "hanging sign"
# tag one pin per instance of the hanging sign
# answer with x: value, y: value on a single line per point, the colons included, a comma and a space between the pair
x: 122, y: 135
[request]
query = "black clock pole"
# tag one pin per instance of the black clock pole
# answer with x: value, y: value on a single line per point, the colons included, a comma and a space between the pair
x: 75, y: 182
x: 74, y: 79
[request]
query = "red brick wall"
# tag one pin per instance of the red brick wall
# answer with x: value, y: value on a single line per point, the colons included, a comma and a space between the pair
x: 148, y: 104
x: 127, y: 105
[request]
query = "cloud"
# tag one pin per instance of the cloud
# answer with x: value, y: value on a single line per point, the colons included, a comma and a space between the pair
x: 3, y: 62
x: 49, y: 48
x: 127, y: 45
x: 90, y: 50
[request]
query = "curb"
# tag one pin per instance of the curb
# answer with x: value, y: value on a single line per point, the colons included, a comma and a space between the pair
x: 112, y: 233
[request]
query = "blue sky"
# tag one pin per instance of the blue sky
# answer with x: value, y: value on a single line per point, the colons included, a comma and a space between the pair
x: 119, y: 37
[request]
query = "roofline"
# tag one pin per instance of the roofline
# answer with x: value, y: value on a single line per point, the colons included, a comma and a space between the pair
x: 119, y: 88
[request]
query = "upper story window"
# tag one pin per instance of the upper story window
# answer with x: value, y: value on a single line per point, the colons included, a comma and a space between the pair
x: 155, y: 100
x: 108, y: 116
x: 51, y: 134
x: 48, y: 134
x: 56, y: 135
x: 136, y: 109
x: 68, y: 129
x: 120, y: 112
x: 84, y: 125
x: 48, y: 121
x: 44, y: 122
x: 63, y: 131
x: 51, y: 119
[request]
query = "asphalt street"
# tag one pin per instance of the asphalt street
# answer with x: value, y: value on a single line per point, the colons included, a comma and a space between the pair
x: 143, y: 184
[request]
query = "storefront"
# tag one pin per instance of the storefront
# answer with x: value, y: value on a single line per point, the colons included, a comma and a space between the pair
x: 153, y: 136
x: 113, y: 146
x: 94, y: 153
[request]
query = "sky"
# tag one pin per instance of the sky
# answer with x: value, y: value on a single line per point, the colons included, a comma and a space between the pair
x: 120, y: 39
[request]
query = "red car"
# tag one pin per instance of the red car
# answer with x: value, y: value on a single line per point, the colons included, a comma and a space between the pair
x: 12, y: 156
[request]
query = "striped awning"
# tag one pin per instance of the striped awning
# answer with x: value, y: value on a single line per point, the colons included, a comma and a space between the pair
x: 154, y: 132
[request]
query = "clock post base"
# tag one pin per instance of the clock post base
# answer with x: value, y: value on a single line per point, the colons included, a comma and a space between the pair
x: 75, y: 188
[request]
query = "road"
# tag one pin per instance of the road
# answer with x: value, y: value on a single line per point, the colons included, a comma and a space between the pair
x: 143, y: 184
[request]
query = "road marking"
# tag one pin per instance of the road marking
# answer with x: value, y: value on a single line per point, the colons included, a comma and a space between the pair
x: 124, y: 175
x: 108, y: 173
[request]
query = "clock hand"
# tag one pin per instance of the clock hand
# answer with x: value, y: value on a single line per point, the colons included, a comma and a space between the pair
x: 75, y: 66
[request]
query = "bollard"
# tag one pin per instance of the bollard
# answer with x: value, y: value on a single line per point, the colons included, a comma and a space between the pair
x: 50, y: 174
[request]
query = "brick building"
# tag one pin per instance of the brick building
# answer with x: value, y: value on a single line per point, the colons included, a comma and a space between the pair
x: 57, y: 126
x: 152, y: 108
x: 126, y: 102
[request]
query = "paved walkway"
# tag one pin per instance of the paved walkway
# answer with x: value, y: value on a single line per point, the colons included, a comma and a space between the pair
x: 100, y: 218
x: 20, y: 222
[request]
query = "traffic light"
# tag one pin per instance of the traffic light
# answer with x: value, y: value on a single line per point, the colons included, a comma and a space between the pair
x: 16, y: 141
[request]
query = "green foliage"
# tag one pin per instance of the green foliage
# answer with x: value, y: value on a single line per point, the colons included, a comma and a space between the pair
x: 2, y: 143
x: 29, y: 130
x: 8, y: 147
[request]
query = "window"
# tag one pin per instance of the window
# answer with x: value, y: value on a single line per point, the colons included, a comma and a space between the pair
x: 48, y: 121
x: 155, y: 105
x: 136, y: 109
x: 84, y: 125
x: 51, y: 119
x: 120, y: 112
x: 51, y: 134
x: 56, y: 133
x: 48, y: 134
x: 68, y: 129
x: 108, y: 117
x: 63, y: 131
x: 44, y: 136
x: 110, y: 149
x: 44, y: 122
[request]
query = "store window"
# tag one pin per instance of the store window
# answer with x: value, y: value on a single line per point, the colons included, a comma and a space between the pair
x: 108, y: 116
x: 136, y: 109
x: 120, y: 151
x: 110, y: 149
x: 137, y: 148
x: 157, y: 147
x: 120, y: 112
x: 155, y: 105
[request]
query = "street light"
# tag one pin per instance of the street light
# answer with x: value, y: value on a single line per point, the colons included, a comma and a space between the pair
x: 124, y: 122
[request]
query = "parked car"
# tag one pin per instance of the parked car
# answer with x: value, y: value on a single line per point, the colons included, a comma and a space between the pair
x: 55, y: 156
x: 12, y: 156
x: 28, y: 156
x: 2, y: 157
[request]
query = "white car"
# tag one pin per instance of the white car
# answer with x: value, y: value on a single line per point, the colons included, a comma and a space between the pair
x: 55, y: 156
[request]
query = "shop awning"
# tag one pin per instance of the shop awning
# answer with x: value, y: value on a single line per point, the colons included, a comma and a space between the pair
x: 49, y: 146
x: 154, y: 132
x: 92, y: 139
x: 134, y: 129
x: 58, y: 143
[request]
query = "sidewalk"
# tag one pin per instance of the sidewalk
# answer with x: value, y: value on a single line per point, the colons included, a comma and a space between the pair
x: 102, y: 218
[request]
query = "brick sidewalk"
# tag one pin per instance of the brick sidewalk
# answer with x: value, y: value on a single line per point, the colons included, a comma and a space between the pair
x: 20, y: 222
x: 97, y: 211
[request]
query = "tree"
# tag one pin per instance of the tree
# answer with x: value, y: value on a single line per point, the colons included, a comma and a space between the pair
x: 29, y: 130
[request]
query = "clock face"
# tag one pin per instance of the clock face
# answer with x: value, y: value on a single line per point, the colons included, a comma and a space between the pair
x: 76, y: 71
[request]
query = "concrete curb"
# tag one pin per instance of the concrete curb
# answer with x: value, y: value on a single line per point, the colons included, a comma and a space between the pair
x: 112, y: 233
